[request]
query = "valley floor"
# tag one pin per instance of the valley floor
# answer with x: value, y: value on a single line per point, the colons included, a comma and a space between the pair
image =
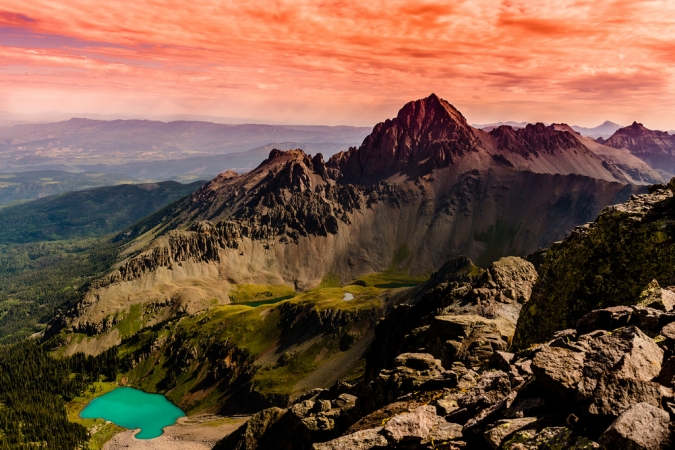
x: 199, y: 432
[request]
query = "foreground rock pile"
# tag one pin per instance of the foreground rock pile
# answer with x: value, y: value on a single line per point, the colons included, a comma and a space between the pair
x: 608, y: 383
x: 444, y: 371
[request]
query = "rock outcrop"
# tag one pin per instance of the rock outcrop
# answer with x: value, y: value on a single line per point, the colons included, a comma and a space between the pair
x: 610, y: 262
x: 595, y: 390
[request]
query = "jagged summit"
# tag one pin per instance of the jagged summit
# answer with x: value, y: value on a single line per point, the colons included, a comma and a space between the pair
x: 535, y: 138
x: 426, y: 134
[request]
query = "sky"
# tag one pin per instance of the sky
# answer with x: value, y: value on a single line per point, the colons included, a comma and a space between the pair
x: 341, y: 61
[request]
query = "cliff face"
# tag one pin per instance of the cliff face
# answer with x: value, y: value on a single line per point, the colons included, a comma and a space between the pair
x: 657, y: 148
x: 605, y: 263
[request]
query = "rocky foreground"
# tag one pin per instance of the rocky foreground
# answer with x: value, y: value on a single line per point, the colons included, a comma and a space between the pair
x: 443, y: 373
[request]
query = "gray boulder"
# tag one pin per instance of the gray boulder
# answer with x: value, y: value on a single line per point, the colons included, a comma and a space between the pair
x: 642, y: 427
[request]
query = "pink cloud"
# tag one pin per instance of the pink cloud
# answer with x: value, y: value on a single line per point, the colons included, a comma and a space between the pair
x: 344, y: 61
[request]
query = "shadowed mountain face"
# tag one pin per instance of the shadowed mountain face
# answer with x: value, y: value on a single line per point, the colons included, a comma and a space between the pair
x: 422, y: 188
x: 656, y: 148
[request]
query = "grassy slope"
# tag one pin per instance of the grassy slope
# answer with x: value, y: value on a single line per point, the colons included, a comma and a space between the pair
x: 91, y: 213
x: 280, y: 357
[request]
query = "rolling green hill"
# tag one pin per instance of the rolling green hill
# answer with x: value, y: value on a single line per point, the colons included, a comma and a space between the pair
x: 89, y: 213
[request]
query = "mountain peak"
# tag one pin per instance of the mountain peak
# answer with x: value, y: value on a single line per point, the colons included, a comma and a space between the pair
x: 430, y: 109
x: 427, y: 133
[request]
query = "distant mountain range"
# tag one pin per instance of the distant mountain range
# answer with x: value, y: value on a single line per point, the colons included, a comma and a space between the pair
x: 79, y: 144
x: 656, y: 148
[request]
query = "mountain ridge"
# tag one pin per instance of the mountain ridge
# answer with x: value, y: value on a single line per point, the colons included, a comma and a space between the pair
x: 424, y: 185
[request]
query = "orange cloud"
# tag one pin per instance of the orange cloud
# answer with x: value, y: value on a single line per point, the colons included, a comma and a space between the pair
x: 341, y: 61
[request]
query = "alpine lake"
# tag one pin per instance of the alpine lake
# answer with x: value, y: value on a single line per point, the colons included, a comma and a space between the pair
x: 134, y: 409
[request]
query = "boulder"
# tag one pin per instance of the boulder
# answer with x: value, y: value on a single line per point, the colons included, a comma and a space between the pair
x: 361, y: 440
x: 490, y: 389
x: 626, y: 353
x: 605, y: 319
x: 513, y: 277
x: 403, y: 379
x: 558, y: 438
x: 642, y: 427
x: 558, y: 369
x: 444, y: 431
x: 502, y: 360
x: 414, y: 425
x: 618, y: 369
x: 502, y: 430
x: 613, y: 395
x: 669, y: 333
x: 655, y: 297
x: 469, y: 337
x: 418, y: 361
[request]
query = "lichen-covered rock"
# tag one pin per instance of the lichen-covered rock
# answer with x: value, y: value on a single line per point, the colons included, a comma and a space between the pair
x: 470, y: 338
x: 513, y: 278
x: 605, y: 319
x: 613, y: 395
x: 502, y: 430
x: 642, y: 427
x: 551, y: 438
x: 606, y: 263
x: 626, y: 353
x: 656, y: 297
x: 490, y: 389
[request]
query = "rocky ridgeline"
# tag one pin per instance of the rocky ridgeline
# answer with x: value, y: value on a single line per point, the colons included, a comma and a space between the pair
x: 282, y: 215
x: 431, y: 347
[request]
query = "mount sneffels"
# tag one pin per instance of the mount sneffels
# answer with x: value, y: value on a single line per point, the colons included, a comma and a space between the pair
x: 422, y: 188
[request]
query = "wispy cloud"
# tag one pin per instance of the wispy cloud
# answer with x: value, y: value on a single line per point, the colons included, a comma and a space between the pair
x: 342, y: 61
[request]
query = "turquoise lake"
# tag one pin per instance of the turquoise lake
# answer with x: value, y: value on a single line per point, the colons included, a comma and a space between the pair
x: 130, y: 408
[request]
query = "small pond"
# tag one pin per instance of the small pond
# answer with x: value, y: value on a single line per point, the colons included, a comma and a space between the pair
x: 130, y: 408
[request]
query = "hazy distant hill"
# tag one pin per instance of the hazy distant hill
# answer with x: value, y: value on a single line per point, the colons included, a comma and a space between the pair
x: 605, y: 130
x: 207, y: 167
x: 82, y: 142
x: 42, y: 183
